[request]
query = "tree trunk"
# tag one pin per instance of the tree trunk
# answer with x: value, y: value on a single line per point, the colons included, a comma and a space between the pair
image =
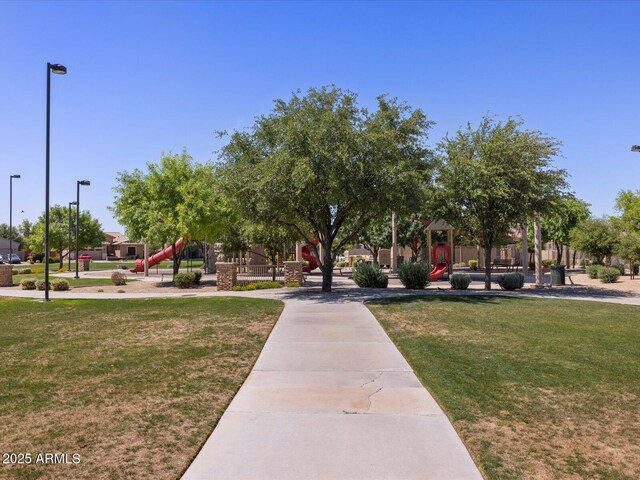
x: 558, y: 253
x: 487, y: 267
x: 327, y: 268
x: 575, y: 253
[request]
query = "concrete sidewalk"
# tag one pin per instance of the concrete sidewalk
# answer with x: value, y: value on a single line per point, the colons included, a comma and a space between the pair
x: 331, y: 397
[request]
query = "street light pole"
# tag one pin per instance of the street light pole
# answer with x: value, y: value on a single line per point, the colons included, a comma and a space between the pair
x: 78, y: 183
x: 60, y: 70
x: 69, y: 229
x: 11, y: 215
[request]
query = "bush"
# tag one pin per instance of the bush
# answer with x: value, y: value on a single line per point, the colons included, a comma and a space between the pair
x: 460, y: 281
x: 63, y: 270
x: 196, y: 277
x: 608, y: 274
x: 356, y: 260
x: 256, y: 286
x: 367, y: 275
x: 341, y: 264
x: 592, y: 271
x: 547, y: 263
x: 511, y: 281
x: 60, y: 285
x: 119, y: 278
x: 473, y: 265
x: 619, y: 266
x: 24, y: 271
x: 28, y: 284
x: 414, y: 276
x: 40, y: 284
x: 292, y: 285
x: 184, y: 280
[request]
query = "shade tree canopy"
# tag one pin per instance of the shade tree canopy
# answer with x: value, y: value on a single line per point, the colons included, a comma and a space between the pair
x: 597, y: 238
x: 90, y: 232
x: 326, y: 168
x: 491, y: 178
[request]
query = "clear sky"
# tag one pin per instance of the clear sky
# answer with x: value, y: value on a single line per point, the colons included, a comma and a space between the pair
x: 146, y: 78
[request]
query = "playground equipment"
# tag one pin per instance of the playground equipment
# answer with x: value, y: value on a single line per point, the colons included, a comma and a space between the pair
x: 308, y: 256
x: 440, y: 260
x: 159, y: 257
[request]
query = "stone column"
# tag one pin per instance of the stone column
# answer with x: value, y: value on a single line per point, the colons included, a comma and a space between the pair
x: 293, y: 274
x: 6, y: 276
x: 298, y: 252
x: 84, y: 265
x: 538, y: 247
x: 226, y: 275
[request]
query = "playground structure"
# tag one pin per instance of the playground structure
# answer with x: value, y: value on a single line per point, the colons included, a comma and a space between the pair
x: 441, y: 254
x: 309, y: 257
x: 159, y: 257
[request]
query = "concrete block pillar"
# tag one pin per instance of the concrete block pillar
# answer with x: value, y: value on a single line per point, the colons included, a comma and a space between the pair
x: 227, y: 275
x: 6, y: 276
x: 293, y: 273
x: 84, y: 265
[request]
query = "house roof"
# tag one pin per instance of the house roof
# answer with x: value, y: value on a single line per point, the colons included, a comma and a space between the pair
x: 115, y: 237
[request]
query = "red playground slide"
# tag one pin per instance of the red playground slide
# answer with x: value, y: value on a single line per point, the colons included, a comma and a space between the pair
x: 161, y: 256
x: 440, y: 259
x: 308, y: 256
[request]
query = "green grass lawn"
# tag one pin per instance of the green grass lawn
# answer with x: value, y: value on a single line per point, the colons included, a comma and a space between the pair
x: 134, y: 387
x: 73, y: 282
x: 537, y: 388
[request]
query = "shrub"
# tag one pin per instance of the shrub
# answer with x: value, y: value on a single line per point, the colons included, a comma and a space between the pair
x: 592, y: 271
x: 608, y: 274
x: 414, y: 276
x: 473, y: 265
x: 547, y: 263
x: 341, y: 264
x: 63, y: 270
x: 24, y: 271
x: 121, y: 291
x: 292, y: 285
x: 460, y: 281
x: 28, y: 284
x: 196, y: 277
x: 14, y: 272
x: 100, y: 290
x: 256, y: 286
x: 119, y: 278
x: 123, y: 267
x: 60, y: 285
x: 367, y: 275
x: 511, y: 281
x: 619, y: 266
x: 356, y: 260
x: 40, y: 284
x: 184, y: 280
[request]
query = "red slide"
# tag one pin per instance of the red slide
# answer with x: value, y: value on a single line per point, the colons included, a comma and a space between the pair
x: 308, y: 256
x: 440, y: 258
x: 161, y: 256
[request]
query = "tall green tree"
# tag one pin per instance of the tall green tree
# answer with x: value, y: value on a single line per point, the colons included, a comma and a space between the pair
x: 596, y: 238
x: 90, y: 234
x: 557, y: 223
x: 628, y: 248
x: 489, y: 179
x: 327, y: 168
x: 175, y: 198
x: 412, y: 233
x: 628, y: 204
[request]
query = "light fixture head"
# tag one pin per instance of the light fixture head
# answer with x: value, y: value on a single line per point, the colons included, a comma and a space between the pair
x: 635, y: 148
x: 73, y: 203
x: 15, y: 176
x: 84, y: 182
x: 57, y: 68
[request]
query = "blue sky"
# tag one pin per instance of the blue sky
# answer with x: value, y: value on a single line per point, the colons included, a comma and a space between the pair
x: 151, y: 77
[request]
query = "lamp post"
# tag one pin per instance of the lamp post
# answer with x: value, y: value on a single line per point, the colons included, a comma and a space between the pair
x: 11, y: 215
x: 69, y: 229
x: 78, y: 183
x: 60, y: 70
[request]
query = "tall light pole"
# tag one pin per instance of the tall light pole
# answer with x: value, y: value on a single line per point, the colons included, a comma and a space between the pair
x: 60, y: 70
x: 78, y: 183
x: 69, y: 247
x: 11, y: 215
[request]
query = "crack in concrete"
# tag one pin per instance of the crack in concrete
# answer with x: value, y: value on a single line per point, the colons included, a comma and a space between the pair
x: 369, y: 398
x: 372, y: 380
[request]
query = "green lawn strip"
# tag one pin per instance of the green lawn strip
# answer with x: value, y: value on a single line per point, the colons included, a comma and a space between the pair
x: 135, y: 387
x: 73, y: 282
x: 537, y: 388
